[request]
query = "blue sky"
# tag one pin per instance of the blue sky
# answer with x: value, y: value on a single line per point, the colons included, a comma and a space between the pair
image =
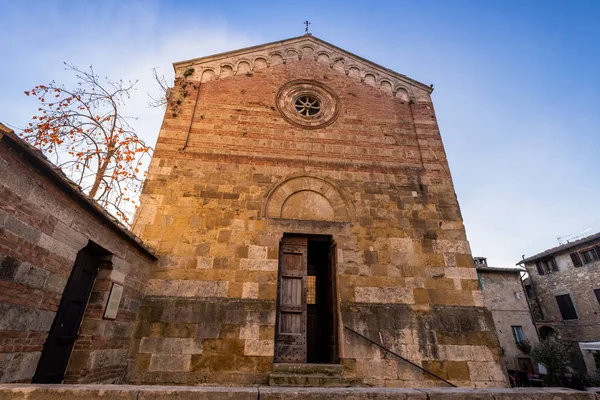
x: 517, y: 89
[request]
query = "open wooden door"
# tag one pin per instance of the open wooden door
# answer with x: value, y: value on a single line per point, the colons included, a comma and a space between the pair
x: 290, y: 338
x: 57, y: 349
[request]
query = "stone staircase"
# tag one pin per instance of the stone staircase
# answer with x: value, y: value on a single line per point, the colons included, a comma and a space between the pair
x: 323, y: 375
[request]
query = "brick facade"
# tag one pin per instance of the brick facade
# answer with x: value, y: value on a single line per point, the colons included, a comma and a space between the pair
x: 230, y: 176
x: 44, y: 223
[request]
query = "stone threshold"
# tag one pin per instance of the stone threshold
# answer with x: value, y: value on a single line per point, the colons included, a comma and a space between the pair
x: 143, y: 392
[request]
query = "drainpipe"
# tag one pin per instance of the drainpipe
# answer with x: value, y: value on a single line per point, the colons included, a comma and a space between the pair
x: 528, y: 303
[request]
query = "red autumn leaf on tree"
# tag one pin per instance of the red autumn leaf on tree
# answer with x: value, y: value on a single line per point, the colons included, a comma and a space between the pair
x: 85, y: 133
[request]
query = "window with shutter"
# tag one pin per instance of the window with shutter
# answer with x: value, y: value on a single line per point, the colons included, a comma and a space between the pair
x: 548, y: 265
x: 539, y: 267
x: 589, y: 255
x: 576, y: 260
x: 566, y: 307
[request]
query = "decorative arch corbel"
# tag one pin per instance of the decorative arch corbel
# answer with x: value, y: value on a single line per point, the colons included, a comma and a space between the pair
x: 226, y: 70
x: 260, y: 62
x: 307, y: 50
x: 208, y: 74
x: 292, y: 54
x: 338, y: 61
x: 354, y: 71
x: 386, y: 85
x: 402, y: 92
x: 307, y: 198
x: 322, y: 56
x: 276, y: 58
x: 370, y: 79
x: 243, y: 66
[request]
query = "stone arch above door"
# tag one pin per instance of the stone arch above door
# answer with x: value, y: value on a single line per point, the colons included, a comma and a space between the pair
x: 306, y: 198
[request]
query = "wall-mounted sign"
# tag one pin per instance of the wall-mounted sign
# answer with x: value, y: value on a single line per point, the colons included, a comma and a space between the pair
x: 114, y: 299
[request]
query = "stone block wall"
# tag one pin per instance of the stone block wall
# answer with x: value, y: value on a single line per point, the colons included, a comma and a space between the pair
x: 579, y: 283
x: 455, y: 343
x: 43, y: 226
x: 214, y: 207
x: 227, y: 341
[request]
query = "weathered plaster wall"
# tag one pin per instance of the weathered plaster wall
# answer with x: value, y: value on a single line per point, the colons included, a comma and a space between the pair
x: 41, y: 230
x: 400, y: 239
x: 504, y: 296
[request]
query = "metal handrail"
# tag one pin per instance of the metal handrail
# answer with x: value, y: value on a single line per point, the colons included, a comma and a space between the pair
x: 400, y: 357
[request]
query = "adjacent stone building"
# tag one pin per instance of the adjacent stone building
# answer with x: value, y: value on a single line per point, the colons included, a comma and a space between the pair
x: 504, y: 296
x: 62, y: 260
x: 298, y: 190
x: 565, y: 289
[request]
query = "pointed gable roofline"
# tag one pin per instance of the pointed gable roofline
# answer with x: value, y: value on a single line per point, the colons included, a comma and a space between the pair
x: 248, y: 59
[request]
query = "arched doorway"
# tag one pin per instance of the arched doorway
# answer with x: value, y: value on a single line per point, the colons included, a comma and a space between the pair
x: 547, y: 332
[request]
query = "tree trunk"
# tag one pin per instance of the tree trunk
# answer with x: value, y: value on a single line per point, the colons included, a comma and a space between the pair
x: 100, y: 173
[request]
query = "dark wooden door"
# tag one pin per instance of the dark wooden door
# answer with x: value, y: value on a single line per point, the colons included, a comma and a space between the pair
x: 57, y: 349
x: 290, y: 341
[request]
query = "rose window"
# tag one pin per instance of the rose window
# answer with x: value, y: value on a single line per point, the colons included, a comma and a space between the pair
x: 307, y: 106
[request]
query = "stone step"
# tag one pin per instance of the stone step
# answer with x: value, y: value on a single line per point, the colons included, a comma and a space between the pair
x: 310, y: 380
x: 308, y: 375
x: 16, y: 391
x: 308, y: 369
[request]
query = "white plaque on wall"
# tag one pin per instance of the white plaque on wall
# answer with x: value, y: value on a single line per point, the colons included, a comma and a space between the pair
x: 114, y: 299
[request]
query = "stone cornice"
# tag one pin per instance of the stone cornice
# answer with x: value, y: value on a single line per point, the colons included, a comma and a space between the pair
x: 247, y: 60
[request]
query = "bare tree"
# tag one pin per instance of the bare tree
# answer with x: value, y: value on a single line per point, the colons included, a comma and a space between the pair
x: 160, y: 100
x: 171, y: 98
x: 83, y: 131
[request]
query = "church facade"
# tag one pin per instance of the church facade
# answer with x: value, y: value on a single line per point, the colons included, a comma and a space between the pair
x: 300, y: 201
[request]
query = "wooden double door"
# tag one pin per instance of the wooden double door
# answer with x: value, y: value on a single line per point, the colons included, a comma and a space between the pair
x: 306, y: 326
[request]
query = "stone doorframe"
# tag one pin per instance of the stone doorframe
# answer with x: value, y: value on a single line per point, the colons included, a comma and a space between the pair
x: 293, y: 268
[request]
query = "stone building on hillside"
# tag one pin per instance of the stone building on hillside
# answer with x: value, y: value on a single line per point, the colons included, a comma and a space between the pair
x: 504, y: 296
x: 71, y: 277
x: 565, y: 288
x: 298, y: 192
